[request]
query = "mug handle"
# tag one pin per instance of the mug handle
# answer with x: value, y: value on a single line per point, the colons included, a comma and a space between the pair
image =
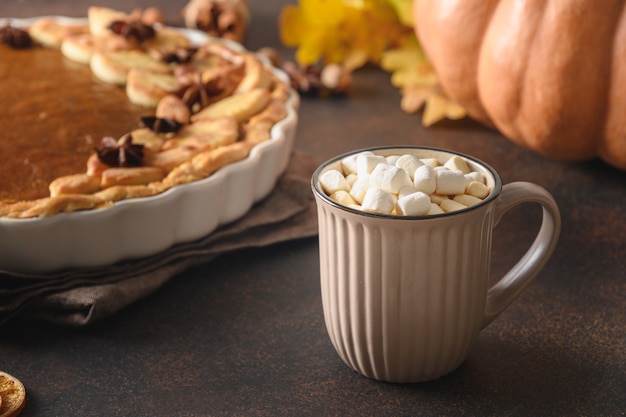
x: 507, y: 289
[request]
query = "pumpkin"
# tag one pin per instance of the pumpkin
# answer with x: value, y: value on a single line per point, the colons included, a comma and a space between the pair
x: 549, y: 75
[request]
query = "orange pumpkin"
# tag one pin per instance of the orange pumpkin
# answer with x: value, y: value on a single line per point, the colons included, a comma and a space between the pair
x: 550, y: 75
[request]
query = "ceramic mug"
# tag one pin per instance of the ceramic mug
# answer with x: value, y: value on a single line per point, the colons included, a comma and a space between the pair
x: 405, y: 298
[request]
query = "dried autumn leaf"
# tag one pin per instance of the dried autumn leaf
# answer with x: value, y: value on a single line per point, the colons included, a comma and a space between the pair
x: 408, y: 65
x: 414, y: 75
x: 437, y: 106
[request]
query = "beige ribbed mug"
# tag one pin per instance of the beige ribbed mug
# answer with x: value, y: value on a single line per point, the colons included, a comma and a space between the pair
x: 405, y: 298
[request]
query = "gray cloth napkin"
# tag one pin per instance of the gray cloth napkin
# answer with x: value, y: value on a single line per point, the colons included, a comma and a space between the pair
x: 81, y: 296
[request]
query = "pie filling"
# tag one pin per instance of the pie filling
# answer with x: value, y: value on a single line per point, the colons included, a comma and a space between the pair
x: 116, y: 109
x: 54, y: 113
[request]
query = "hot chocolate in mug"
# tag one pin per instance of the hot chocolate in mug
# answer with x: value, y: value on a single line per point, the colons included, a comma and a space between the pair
x: 405, y: 296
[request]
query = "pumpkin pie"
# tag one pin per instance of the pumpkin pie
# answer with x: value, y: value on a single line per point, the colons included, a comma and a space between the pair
x: 112, y: 108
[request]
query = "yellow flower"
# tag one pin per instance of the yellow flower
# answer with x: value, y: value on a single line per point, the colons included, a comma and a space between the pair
x: 404, y: 11
x: 349, y: 32
x: 310, y: 27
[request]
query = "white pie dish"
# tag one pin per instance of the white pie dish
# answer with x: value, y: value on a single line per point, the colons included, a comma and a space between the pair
x: 141, y: 227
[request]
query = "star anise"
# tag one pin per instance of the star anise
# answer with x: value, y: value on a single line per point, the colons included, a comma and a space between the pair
x: 124, y: 154
x: 160, y: 125
x: 132, y: 29
x: 176, y: 55
x: 197, y: 93
x: 15, y: 37
x: 193, y: 93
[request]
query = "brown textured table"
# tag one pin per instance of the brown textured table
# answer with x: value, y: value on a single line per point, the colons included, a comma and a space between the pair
x: 244, y: 335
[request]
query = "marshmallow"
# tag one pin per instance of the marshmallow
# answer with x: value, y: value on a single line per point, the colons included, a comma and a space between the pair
x: 474, y: 176
x: 332, y: 181
x: 391, y: 159
x: 360, y: 187
x: 434, y: 209
x: 424, y: 179
x: 366, y: 163
x: 437, y: 199
x: 378, y: 201
x: 416, y: 204
x: 458, y: 163
x: 431, y: 162
x: 403, y: 184
x: 466, y: 200
x: 343, y: 197
x: 451, y: 205
x: 450, y: 182
x: 404, y: 191
x: 389, y: 178
x: 409, y: 163
x: 477, y: 189
x: 348, y: 164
